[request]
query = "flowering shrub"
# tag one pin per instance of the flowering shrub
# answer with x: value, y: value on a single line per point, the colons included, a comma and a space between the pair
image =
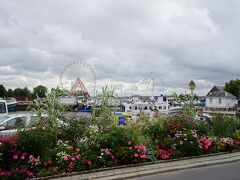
x: 42, y: 152
x: 7, y: 150
x: 138, y: 153
x: 205, y: 143
x: 165, y: 154
x: 106, y: 158
x: 226, y: 144
x: 68, y: 159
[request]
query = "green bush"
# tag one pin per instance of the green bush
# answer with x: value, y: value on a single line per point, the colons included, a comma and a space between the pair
x: 224, y: 126
x: 156, y: 129
x: 36, y: 141
x: 74, y: 130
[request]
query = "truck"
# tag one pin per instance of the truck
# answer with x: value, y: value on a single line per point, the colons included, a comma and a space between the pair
x: 3, y: 108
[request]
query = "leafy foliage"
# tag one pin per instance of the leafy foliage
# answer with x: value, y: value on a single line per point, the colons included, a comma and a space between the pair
x: 233, y: 87
x: 186, y: 101
x: 40, y: 91
x: 105, y: 106
x: 2, y: 91
x: 224, y: 126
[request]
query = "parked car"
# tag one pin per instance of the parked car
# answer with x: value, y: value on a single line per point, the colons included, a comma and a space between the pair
x: 203, y: 116
x: 9, y: 124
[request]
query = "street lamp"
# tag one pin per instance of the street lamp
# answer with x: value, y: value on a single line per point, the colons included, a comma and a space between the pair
x: 191, y: 86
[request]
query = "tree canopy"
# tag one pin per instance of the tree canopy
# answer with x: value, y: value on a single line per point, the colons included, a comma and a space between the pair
x: 2, y: 91
x: 40, y: 91
x: 233, y: 87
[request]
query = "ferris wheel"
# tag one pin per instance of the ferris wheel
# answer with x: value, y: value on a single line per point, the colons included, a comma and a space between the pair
x: 151, y: 83
x: 78, y: 75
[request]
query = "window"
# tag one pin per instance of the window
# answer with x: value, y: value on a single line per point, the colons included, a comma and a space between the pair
x: 164, y: 107
x: 136, y: 108
x: 11, y: 123
x: 2, y: 108
x: 160, y: 107
x: 130, y: 107
x: 220, y: 101
x: 210, y: 100
x: 145, y: 108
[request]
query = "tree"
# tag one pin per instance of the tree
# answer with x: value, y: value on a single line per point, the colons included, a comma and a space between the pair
x: 40, y: 91
x: 9, y: 93
x: 18, y: 92
x: 233, y: 87
x: 2, y: 91
x: 26, y: 92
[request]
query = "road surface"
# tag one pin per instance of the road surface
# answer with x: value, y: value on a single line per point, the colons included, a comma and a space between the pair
x: 229, y: 171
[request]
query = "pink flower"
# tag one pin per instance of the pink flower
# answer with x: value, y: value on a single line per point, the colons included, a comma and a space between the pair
x: 78, y: 156
x: 73, y: 159
x: 130, y: 148
x: 69, y: 147
x: 129, y: 143
x: 49, y: 162
x: 77, y: 150
x: 143, y: 156
x: 15, y: 157
x: 65, y: 158
x: 136, y: 147
x: 135, y: 155
x: 144, y: 150
x: 141, y: 146
x: 64, y: 174
x: 31, y: 156
x: 22, y: 157
x: 30, y: 174
x: 87, y: 162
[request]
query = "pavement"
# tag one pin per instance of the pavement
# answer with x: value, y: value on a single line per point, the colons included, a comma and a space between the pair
x: 156, y: 167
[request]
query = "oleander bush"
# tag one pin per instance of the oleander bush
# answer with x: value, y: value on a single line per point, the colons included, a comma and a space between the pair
x: 77, y: 144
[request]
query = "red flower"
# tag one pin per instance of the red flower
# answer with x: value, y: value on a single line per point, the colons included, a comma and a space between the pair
x: 129, y: 143
x: 49, y: 162
x: 143, y: 156
x: 164, y: 154
x: 30, y: 174
x: 135, y: 155
x: 15, y: 157
x: 130, y: 148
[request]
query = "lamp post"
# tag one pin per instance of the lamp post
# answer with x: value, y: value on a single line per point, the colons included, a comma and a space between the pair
x: 192, y: 86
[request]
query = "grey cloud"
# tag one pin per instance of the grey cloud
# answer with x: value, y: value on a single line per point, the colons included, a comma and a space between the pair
x: 124, y: 40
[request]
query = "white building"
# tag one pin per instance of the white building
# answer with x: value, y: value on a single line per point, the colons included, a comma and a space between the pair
x: 218, y: 98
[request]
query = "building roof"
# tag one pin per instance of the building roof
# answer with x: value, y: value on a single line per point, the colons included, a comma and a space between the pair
x: 218, y: 91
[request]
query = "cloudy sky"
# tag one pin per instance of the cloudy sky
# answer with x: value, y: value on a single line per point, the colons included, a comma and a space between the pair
x: 127, y: 42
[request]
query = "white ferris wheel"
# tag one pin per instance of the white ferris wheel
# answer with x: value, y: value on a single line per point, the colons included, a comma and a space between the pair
x: 78, y: 75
